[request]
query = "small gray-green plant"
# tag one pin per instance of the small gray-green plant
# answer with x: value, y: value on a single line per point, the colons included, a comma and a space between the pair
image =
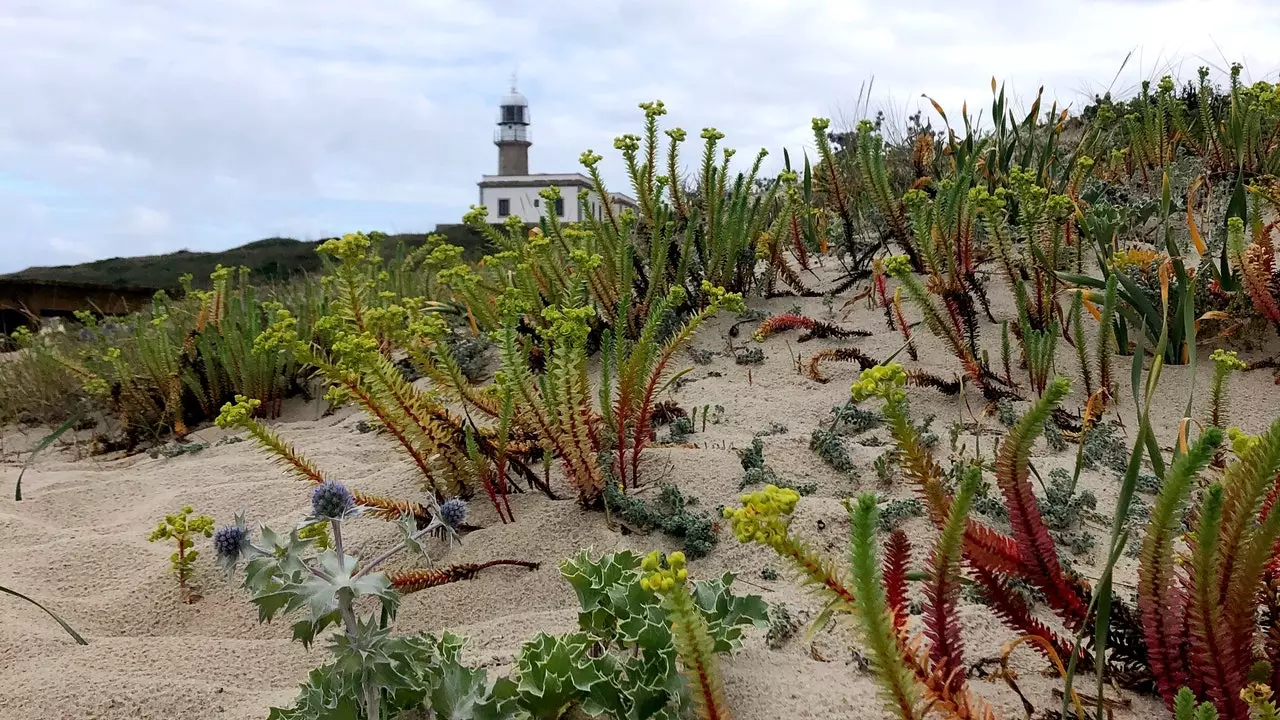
x: 774, y: 428
x: 896, y: 512
x: 182, y: 528
x: 1053, y: 437
x: 849, y: 419
x: 1104, y: 449
x: 669, y: 513
x: 750, y: 355
x: 782, y: 624
x: 884, y: 465
x: 1063, y: 511
x: 826, y: 444
x: 1006, y: 414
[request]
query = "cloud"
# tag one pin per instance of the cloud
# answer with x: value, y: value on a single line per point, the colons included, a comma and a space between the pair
x: 134, y: 126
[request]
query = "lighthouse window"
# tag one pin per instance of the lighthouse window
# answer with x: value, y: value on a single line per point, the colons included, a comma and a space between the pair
x: 504, y: 207
x: 511, y: 113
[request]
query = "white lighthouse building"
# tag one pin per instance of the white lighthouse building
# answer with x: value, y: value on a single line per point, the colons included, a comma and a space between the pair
x: 514, y: 190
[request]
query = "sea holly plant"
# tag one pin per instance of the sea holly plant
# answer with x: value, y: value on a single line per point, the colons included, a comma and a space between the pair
x: 182, y: 528
x: 373, y: 674
x: 624, y: 661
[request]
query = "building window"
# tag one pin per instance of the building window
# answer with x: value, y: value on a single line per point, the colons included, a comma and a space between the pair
x: 504, y: 207
x: 559, y: 207
x: 536, y: 201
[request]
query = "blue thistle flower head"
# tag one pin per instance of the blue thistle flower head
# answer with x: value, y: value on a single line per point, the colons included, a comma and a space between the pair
x: 453, y: 512
x: 231, y: 542
x: 331, y: 500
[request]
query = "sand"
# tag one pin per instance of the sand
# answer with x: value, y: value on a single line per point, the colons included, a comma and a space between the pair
x: 78, y: 542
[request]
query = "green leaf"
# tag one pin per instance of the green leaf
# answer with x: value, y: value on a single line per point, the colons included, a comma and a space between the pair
x: 70, y: 631
x: 44, y: 443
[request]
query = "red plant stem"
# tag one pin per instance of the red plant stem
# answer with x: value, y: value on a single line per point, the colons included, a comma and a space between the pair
x: 802, y: 253
x: 369, y: 403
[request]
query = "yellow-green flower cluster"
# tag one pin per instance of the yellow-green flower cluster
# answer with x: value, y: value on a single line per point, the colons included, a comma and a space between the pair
x: 821, y: 124
x: 569, y: 325
x: 350, y: 248
x: 658, y: 579
x: 886, y: 381
x: 628, y: 143
x: 180, y: 523
x: 234, y: 414
x: 723, y: 299
x: 1226, y: 360
x: 762, y: 518
x: 897, y: 265
x: 653, y: 109
x: 1241, y: 441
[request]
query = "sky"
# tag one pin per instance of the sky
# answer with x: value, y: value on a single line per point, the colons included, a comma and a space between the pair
x: 134, y: 127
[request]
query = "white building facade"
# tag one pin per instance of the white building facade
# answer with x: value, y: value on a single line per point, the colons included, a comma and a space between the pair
x: 507, y: 195
x: 515, y: 192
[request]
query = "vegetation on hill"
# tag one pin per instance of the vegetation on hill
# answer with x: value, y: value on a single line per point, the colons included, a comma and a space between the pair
x: 271, y: 260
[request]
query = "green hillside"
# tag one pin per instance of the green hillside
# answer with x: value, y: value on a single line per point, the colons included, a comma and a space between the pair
x: 270, y: 260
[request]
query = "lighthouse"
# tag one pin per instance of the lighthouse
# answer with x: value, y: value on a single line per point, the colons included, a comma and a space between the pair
x: 512, y: 134
x: 514, y: 191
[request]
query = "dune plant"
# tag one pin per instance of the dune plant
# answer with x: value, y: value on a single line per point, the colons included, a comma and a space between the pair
x: 872, y: 596
x: 1201, y: 627
x: 239, y: 415
x: 812, y: 328
x: 689, y: 632
x: 1224, y: 363
x: 1175, y: 299
x: 635, y: 373
x: 372, y: 674
x: 221, y: 360
x: 945, y: 245
x: 998, y: 561
x: 624, y: 660
x: 952, y: 326
x: 357, y: 366
x: 183, y: 528
x: 557, y: 405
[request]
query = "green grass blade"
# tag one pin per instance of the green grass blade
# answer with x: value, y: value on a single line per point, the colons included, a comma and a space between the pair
x: 70, y: 630
x: 48, y: 439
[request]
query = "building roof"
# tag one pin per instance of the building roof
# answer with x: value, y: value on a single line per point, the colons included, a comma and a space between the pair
x: 537, y: 180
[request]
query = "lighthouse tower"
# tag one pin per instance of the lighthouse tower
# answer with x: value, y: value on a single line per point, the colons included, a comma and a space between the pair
x: 515, y: 192
x: 512, y: 134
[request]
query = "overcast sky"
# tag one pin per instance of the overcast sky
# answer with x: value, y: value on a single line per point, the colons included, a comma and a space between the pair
x: 140, y: 126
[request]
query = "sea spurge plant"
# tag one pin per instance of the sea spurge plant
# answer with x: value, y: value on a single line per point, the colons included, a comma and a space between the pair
x: 690, y: 634
x: 1224, y: 363
x: 882, y: 381
x: 182, y: 528
x: 1201, y: 626
x: 240, y: 415
x: 813, y: 328
x: 764, y: 516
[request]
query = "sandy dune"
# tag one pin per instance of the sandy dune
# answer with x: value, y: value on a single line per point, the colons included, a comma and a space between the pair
x: 78, y: 541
